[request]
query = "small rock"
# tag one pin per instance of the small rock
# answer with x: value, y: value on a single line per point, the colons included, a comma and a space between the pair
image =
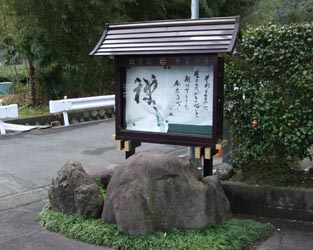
x: 311, y: 170
x: 224, y: 171
x: 74, y: 192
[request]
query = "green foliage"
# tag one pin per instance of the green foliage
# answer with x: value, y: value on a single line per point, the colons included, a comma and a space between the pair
x: 102, y: 189
x: 269, y: 80
x: 235, y: 8
x: 142, y: 10
x: 302, y: 12
x: 40, y: 110
x: 232, y: 234
x: 13, y: 73
x: 278, y: 11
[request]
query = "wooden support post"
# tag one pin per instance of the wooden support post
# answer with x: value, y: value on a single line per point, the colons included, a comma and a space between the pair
x: 208, y: 167
x: 130, y: 153
x: 130, y: 148
x: 208, y: 161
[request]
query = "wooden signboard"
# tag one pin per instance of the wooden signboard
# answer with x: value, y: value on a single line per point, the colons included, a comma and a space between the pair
x: 169, y: 99
x: 169, y: 81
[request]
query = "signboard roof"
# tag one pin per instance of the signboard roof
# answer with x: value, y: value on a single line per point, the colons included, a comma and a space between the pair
x: 190, y: 36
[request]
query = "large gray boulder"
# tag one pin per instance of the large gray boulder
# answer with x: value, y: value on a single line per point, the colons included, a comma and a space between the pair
x: 153, y: 192
x: 74, y: 192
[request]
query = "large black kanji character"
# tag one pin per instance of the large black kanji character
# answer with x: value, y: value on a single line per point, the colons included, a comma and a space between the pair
x: 137, y: 90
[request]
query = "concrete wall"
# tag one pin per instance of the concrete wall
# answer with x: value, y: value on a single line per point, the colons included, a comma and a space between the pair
x: 283, y: 203
x: 74, y: 117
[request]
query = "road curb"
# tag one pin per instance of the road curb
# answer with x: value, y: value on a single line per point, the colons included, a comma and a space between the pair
x: 273, y: 202
x: 22, y: 199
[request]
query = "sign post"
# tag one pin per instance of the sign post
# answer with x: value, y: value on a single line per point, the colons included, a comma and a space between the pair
x: 191, y: 150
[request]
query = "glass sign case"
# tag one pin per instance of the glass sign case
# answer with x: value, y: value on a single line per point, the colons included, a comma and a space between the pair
x: 169, y: 99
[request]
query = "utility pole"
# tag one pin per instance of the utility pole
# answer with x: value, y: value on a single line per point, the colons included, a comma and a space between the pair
x: 194, y: 15
x: 195, y: 9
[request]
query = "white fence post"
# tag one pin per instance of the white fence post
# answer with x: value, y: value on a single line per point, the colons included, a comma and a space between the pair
x: 66, y: 105
x: 65, y: 116
x: 2, y: 128
x: 9, y: 111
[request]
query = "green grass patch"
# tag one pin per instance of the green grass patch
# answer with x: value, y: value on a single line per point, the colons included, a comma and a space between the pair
x: 232, y: 234
x: 102, y: 189
x: 28, y: 111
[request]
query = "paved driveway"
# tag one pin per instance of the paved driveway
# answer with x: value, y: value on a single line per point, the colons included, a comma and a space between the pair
x: 29, y: 160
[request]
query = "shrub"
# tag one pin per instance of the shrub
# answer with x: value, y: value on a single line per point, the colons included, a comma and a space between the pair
x: 13, y: 73
x: 269, y: 93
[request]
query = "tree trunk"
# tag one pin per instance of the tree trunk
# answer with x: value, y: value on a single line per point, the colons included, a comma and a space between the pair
x: 31, y: 75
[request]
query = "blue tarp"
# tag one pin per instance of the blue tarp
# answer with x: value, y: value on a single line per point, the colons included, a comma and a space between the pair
x: 5, y: 88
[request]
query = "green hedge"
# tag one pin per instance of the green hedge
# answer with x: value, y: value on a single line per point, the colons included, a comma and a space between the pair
x: 269, y: 80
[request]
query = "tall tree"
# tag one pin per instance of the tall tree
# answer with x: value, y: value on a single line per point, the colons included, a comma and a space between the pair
x: 22, y: 38
x: 56, y: 37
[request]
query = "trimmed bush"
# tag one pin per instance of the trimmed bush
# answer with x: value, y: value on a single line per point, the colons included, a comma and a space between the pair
x: 269, y: 93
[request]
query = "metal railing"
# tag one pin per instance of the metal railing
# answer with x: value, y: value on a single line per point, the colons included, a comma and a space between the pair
x: 8, y: 111
x: 67, y: 105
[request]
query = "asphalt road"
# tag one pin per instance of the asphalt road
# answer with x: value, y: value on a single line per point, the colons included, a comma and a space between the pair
x: 32, y: 159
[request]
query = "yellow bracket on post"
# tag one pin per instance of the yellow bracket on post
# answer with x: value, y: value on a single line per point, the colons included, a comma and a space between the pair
x: 119, y: 143
x: 207, y: 153
x: 128, y: 146
x: 200, y: 152
x: 197, y: 152
x: 222, y: 144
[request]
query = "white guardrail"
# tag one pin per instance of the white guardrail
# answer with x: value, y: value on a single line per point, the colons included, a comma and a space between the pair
x: 66, y: 105
x: 8, y: 111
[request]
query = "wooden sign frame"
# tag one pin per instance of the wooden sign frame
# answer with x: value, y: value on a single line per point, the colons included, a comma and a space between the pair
x: 196, y: 140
